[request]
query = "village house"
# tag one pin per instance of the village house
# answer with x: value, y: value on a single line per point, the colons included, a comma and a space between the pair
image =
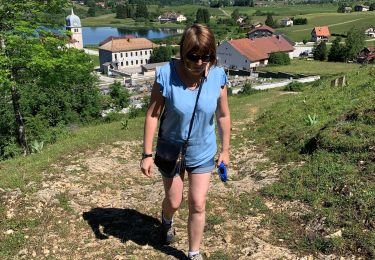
x: 73, y: 24
x: 171, y: 17
x: 320, y: 34
x: 247, y: 54
x: 286, y: 22
x: 367, y: 55
x: 260, y: 31
x: 361, y: 8
x: 347, y: 9
x: 124, y: 52
x: 370, y: 32
x: 240, y: 20
x: 100, y: 4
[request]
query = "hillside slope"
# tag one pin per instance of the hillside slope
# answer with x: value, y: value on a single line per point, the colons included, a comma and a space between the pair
x: 297, y: 188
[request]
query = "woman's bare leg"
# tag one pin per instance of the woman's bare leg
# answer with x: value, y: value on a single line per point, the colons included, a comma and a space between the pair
x: 198, y: 187
x: 173, y: 188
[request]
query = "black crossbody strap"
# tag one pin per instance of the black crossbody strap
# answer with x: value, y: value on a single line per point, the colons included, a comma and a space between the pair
x: 195, y: 109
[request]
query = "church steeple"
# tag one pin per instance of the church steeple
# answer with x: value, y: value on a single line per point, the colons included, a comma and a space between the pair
x: 73, y: 24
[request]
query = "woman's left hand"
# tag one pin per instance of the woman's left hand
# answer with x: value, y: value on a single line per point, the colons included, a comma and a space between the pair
x: 223, y: 157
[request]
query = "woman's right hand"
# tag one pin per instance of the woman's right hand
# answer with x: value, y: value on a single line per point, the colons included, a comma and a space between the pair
x: 146, y: 166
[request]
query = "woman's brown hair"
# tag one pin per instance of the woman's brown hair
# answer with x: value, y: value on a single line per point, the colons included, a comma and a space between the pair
x: 198, y: 39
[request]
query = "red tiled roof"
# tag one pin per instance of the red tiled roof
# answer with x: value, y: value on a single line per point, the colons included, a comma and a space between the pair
x: 322, y: 31
x: 260, y: 48
x: 110, y: 38
x: 127, y: 44
x: 262, y: 27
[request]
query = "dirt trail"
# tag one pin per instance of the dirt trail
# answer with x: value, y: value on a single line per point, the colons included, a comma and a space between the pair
x: 97, y: 205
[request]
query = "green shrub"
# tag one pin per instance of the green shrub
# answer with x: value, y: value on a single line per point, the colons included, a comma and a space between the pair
x: 247, y: 89
x: 294, y: 86
x: 279, y: 58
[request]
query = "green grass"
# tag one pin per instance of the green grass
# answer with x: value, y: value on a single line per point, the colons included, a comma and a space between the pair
x: 337, y: 179
x: 287, y: 10
x: 337, y: 22
x: 18, y: 172
x: 111, y: 20
x: 95, y: 59
x: 312, y: 67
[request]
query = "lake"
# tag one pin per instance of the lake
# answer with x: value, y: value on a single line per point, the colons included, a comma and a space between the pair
x: 94, y: 35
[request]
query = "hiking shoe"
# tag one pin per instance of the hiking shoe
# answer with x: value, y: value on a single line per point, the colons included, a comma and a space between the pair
x: 167, y: 233
x: 196, y: 257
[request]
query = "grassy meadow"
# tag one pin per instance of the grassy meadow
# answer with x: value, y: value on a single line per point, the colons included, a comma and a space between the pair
x: 338, y: 23
x: 312, y: 67
x: 330, y: 132
x: 111, y: 20
x: 286, y: 10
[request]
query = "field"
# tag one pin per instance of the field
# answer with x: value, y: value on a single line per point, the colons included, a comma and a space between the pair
x: 110, y: 20
x: 313, y: 67
x: 287, y: 10
x: 338, y: 23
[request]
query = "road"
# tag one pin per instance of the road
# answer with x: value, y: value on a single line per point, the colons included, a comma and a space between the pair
x: 92, y: 52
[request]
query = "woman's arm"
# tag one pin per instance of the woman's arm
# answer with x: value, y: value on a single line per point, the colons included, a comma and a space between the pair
x: 151, y: 123
x: 223, y: 121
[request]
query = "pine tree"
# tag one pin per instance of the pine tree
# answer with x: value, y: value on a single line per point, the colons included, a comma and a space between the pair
x: 337, y: 51
x: 141, y: 11
x: 269, y: 21
x: 320, y: 51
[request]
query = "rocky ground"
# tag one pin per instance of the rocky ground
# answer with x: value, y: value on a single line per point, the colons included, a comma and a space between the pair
x: 98, y: 205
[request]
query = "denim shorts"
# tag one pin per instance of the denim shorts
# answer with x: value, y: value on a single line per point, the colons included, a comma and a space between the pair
x: 206, y: 167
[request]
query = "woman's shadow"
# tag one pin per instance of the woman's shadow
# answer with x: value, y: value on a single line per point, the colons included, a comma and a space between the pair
x: 128, y: 224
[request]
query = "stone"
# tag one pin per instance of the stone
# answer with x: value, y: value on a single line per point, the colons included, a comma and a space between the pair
x: 335, y: 235
x: 23, y: 252
x: 9, y: 232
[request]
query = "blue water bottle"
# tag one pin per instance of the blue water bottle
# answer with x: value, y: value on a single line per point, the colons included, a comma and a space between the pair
x: 222, y: 171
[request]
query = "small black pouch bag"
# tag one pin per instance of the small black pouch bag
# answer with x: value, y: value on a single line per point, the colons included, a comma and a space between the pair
x: 178, y: 166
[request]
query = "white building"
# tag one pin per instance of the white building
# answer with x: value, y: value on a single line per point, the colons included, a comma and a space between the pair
x: 247, y: 54
x: 73, y: 24
x: 286, y: 22
x: 172, y: 17
x: 124, y: 52
x: 370, y: 32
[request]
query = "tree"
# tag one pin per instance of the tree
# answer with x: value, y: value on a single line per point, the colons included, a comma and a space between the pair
x: 299, y: 21
x: 90, y: 3
x: 372, y: 6
x: 354, y: 42
x: 42, y: 82
x: 235, y: 14
x: 141, y: 11
x: 121, y: 12
x: 202, y: 15
x: 161, y: 54
x: 279, y: 58
x: 269, y: 21
x: 337, y: 51
x: 320, y: 51
x: 91, y: 11
x: 119, y: 94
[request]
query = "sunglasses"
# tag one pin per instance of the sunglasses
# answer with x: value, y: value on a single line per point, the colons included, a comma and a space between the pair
x: 195, y: 58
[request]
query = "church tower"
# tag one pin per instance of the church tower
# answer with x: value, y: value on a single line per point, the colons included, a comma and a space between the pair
x: 73, y: 24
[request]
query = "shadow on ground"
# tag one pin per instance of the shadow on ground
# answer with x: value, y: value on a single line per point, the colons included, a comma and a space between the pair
x: 128, y: 224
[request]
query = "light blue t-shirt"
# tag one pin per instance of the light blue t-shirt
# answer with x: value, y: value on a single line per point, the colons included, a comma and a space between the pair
x: 178, y: 109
